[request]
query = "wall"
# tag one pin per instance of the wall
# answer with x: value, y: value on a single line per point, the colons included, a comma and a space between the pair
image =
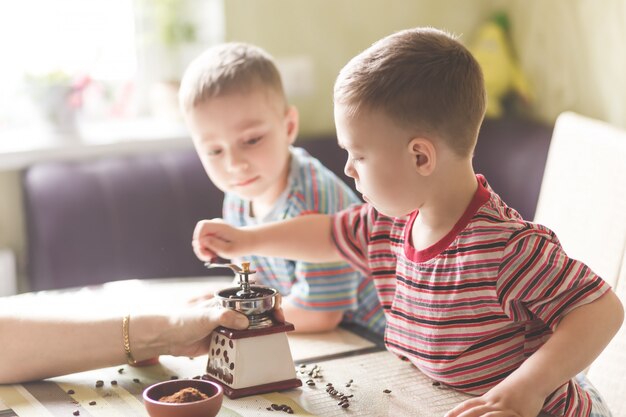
x: 12, y: 232
x: 573, y: 53
x: 331, y: 32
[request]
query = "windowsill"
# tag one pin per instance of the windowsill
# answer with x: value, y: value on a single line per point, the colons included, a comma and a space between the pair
x: 24, y: 147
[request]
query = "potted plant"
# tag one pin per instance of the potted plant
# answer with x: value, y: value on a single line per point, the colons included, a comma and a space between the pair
x: 58, y: 98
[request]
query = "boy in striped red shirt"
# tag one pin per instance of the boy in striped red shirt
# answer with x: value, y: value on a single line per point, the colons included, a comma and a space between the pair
x: 243, y: 129
x: 474, y: 296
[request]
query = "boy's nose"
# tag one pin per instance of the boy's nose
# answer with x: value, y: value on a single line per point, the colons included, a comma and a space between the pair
x: 348, y: 169
x: 236, y: 162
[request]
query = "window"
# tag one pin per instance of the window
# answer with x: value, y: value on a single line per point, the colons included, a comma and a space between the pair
x: 69, y: 63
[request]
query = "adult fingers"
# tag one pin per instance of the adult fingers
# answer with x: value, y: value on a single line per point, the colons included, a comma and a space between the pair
x: 233, y: 320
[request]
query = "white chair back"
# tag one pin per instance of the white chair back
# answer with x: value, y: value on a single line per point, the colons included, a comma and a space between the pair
x: 583, y: 200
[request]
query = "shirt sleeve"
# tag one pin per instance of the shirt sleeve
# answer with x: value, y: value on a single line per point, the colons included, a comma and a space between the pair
x: 538, y: 280
x: 350, y: 234
x: 327, y: 286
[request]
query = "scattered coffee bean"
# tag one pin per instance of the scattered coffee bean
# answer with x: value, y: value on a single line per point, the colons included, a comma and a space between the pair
x: 387, y: 391
x: 76, y: 413
x: 92, y: 403
x: 436, y: 383
x: 302, y: 365
x: 71, y: 391
x: 280, y: 407
x: 120, y: 371
x: 114, y: 382
x: 348, y: 385
x: 173, y: 377
x: 99, y: 383
x: 330, y: 384
x: 310, y: 382
x: 136, y: 380
x: 345, y: 405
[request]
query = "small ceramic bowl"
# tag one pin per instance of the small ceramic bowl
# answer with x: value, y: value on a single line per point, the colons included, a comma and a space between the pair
x: 204, y: 408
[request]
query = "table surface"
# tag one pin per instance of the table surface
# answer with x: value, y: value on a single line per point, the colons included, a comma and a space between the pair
x: 382, y: 384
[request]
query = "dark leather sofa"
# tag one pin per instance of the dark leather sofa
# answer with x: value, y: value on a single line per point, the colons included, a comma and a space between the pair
x: 123, y: 217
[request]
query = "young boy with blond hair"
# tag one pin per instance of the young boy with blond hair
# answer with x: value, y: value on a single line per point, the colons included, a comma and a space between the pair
x: 243, y: 129
x: 474, y: 296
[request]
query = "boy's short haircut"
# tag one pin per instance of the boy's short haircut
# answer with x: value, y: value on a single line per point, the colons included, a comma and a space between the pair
x: 228, y: 68
x: 423, y: 79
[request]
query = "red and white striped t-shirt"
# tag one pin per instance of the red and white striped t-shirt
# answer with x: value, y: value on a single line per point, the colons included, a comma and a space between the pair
x: 470, y: 309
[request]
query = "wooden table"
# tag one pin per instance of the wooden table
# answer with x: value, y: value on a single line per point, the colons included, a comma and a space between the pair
x: 381, y: 383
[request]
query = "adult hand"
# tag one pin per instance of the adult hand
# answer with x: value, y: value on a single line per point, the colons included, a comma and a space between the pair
x: 187, y: 332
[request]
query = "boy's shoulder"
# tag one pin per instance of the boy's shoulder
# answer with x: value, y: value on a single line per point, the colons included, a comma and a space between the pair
x: 317, y: 185
x: 495, y: 217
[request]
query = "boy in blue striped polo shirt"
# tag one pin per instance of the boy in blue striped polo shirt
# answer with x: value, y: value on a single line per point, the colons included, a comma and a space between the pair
x: 243, y: 129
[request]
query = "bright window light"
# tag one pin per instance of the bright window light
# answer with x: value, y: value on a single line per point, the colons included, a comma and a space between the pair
x: 95, y: 37
x: 74, y: 67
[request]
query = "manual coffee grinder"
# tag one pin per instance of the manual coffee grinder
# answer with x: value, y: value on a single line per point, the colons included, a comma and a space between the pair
x: 255, y: 360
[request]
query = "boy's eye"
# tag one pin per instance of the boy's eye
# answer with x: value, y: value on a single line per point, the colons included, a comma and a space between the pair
x: 253, y: 140
x: 214, y: 152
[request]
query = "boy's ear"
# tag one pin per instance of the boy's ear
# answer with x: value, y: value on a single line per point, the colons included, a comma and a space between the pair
x: 292, y: 118
x: 424, y: 154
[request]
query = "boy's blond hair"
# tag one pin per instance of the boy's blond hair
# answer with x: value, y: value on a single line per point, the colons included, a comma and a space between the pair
x: 423, y: 79
x: 228, y: 68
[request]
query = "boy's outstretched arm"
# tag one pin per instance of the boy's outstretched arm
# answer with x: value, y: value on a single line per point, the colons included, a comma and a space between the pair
x: 578, y: 339
x: 304, y: 238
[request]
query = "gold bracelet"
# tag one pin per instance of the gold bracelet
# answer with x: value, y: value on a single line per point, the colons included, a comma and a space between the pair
x: 125, y: 325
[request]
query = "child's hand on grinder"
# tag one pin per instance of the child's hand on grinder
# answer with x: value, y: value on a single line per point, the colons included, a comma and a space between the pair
x: 214, y: 238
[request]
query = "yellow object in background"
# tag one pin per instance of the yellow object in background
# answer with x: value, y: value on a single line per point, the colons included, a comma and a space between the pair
x: 493, y: 51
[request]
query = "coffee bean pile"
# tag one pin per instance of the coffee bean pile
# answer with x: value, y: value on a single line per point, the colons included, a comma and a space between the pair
x: 314, y: 373
x: 280, y: 407
x: 344, y: 400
